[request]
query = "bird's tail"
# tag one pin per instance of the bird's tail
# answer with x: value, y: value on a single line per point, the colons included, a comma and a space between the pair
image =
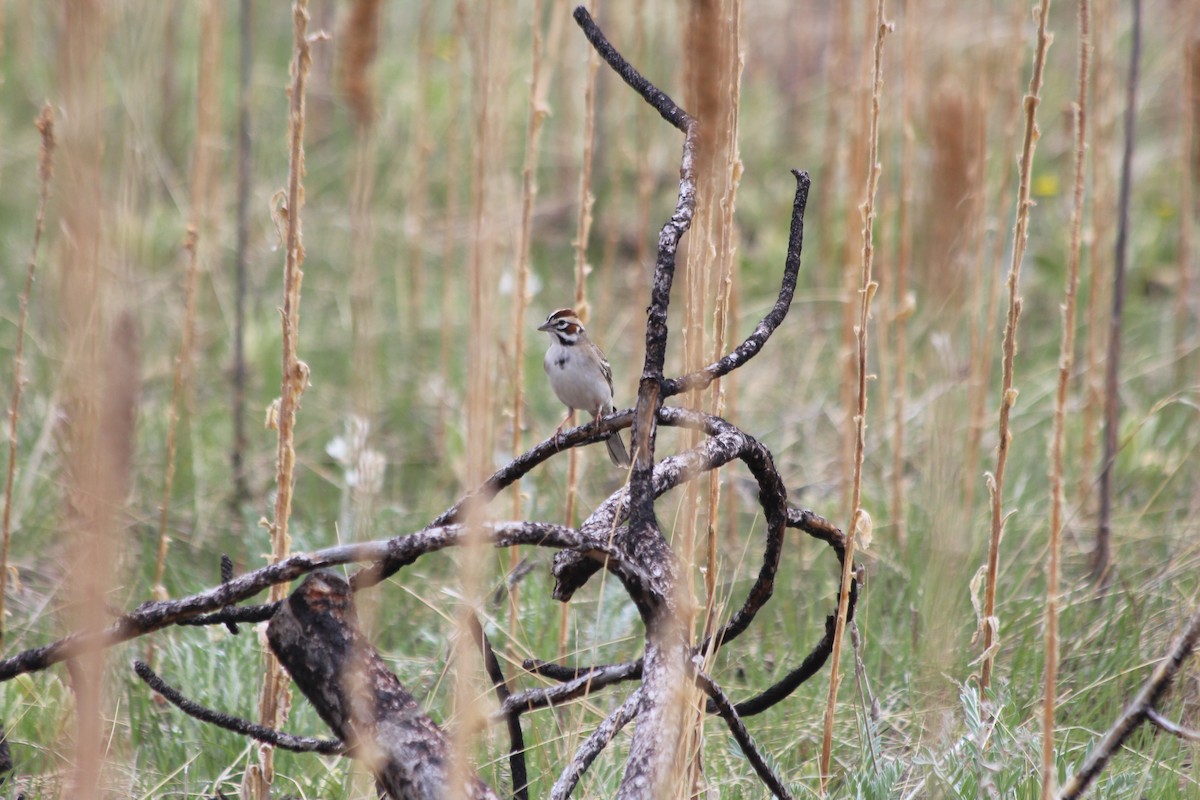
x: 616, y: 450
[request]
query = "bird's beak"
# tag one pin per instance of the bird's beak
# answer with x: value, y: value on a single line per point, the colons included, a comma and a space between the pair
x: 545, y: 326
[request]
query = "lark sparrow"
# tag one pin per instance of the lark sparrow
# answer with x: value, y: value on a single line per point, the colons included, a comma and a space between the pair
x: 580, y: 375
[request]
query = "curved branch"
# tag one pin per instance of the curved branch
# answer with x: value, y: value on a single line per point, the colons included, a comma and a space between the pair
x: 755, y: 341
x: 742, y: 736
x: 284, y: 741
x: 516, y: 739
x: 594, y: 745
x: 657, y: 98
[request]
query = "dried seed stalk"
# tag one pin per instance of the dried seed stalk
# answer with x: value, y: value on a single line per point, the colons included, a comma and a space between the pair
x: 45, y: 126
x: 867, y: 287
x: 275, y: 697
x: 1008, y: 394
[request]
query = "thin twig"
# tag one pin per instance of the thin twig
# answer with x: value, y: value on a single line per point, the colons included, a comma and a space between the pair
x: 1066, y: 358
x: 45, y: 126
x: 274, y: 698
x: 1173, y: 728
x: 1102, y: 556
x: 1008, y: 394
x: 858, y: 519
x: 237, y: 453
x: 285, y: 741
x: 595, y: 744
x: 516, y: 740
x: 1137, y: 710
x: 727, y: 712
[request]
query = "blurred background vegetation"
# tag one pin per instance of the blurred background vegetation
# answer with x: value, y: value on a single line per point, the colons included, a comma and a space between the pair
x: 385, y: 328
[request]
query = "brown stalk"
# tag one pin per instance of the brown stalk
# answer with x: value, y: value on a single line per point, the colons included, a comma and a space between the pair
x: 583, y: 228
x: 450, y: 228
x: 539, y: 84
x: 99, y: 378
x: 200, y: 196
x: 859, y: 522
x: 1102, y: 555
x: 275, y: 697
x: 241, y: 491
x: 904, y: 305
x: 727, y: 266
x: 1009, y: 109
x: 411, y: 296
x: 490, y: 35
x: 45, y: 126
x: 1066, y: 360
x: 1008, y: 394
x: 1103, y: 218
x: 360, y: 41
x: 1189, y: 112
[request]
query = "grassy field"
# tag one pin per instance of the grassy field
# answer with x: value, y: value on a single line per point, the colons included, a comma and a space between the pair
x: 413, y: 199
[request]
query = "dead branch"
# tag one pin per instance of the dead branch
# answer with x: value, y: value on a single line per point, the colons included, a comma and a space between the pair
x: 316, y: 637
x: 1137, y: 711
x: 284, y: 741
x: 738, y: 728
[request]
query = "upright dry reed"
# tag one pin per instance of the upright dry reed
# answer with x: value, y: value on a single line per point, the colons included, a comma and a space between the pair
x: 539, y: 83
x: 1102, y: 554
x: 360, y: 40
x: 237, y: 450
x: 451, y: 225
x: 1008, y: 393
x: 45, y: 126
x: 204, y: 150
x: 489, y: 29
x: 1066, y: 360
x: 1103, y: 219
x: 903, y: 303
x: 275, y: 697
x: 417, y: 194
x: 97, y: 381
x: 859, y: 519
x: 1189, y: 112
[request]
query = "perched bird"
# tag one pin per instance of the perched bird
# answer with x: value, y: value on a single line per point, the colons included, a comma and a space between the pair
x: 580, y: 375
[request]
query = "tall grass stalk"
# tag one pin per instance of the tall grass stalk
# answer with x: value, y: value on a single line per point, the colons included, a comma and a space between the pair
x: 1102, y: 554
x: 1103, y: 218
x: 903, y: 303
x: 1008, y: 393
x: 237, y: 450
x: 583, y: 228
x: 539, y: 83
x: 45, y: 126
x: 359, y: 41
x: 981, y: 364
x: 1189, y: 110
x: 490, y: 33
x: 202, y: 167
x: 417, y: 194
x: 450, y: 228
x: 859, y: 520
x: 275, y: 696
x: 1066, y: 360
x: 97, y: 380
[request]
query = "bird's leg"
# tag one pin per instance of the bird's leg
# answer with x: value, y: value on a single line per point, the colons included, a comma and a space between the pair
x: 561, y: 425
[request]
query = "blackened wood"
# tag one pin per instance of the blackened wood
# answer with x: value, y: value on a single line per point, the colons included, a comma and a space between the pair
x: 316, y: 636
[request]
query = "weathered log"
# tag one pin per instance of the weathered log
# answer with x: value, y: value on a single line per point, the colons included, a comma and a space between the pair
x: 316, y: 636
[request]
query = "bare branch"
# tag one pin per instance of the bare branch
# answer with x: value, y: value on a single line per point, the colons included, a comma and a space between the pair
x: 755, y: 341
x: 594, y: 745
x: 1137, y: 711
x: 284, y: 741
x: 738, y: 728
